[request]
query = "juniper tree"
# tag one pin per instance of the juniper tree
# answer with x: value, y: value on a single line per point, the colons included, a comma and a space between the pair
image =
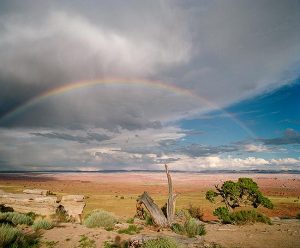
x: 235, y: 194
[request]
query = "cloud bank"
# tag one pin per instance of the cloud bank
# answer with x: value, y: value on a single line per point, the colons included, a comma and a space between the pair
x: 223, y: 52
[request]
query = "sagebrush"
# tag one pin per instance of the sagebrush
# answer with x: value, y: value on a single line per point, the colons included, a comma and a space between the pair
x: 100, y: 218
x: 241, y: 217
x: 162, y: 242
x: 15, y: 218
x: 42, y: 224
x: 13, y: 237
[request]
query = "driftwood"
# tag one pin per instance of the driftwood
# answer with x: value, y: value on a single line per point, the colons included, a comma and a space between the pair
x: 171, y: 199
x: 156, y: 213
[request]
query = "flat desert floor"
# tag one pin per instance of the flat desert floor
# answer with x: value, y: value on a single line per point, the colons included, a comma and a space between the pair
x: 117, y: 193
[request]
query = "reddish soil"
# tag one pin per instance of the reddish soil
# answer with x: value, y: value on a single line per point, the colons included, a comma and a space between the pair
x: 284, y: 189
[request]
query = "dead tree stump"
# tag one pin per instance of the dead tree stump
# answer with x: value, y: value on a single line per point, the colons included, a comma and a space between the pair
x: 156, y: 213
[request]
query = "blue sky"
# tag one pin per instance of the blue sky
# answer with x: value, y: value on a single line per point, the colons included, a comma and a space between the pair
x: 200, y: 85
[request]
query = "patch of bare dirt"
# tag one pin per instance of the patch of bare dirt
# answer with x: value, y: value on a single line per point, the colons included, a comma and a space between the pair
x: 282, y: 234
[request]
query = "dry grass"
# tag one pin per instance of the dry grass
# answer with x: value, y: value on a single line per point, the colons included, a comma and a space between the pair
x: 102, y: 190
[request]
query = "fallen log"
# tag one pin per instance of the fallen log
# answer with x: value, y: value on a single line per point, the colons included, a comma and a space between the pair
x: 156, y: 213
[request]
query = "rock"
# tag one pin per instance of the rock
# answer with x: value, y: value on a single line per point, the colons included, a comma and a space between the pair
x: 37, y: 191
x: 74, y: 205
x: 76, y: 198
x: 41, y: 204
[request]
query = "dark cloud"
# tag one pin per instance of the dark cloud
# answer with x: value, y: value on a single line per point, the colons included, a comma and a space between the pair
x: 81, y: 139
x: 45, y: 44
x: 220, y: 51
x: 289, y: 137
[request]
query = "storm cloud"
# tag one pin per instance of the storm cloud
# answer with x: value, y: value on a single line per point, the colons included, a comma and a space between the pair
x: 205, y: 54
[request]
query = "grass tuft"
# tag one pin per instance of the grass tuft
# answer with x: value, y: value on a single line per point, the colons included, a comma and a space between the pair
x: 162, y: 242
x: 42, y: 224
x: 16, y: 218
x: 13, y: 237
x: 86, y: 242
x: 100, y: 218
x: 132, y: 229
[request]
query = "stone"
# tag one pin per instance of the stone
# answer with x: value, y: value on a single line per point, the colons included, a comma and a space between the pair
x: 37, y: 191
x: 76, y: 198
x: 42, y: 204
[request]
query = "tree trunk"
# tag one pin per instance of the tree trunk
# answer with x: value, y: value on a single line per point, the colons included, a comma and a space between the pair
x: 155, y: 212
x: 171, y: 199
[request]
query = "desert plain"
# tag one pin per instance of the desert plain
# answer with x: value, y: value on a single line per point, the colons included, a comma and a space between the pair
x: 117, y: 193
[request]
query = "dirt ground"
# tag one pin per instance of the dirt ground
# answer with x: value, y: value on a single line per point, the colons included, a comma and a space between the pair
x: 117, y: 192
x: 282, y: 234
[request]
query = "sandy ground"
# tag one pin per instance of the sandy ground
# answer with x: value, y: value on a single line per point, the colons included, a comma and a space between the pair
x: 117, y: 192
x: 282, y: 234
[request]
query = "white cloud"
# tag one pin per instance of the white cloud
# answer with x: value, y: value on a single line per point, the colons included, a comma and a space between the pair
x: 255, y: 148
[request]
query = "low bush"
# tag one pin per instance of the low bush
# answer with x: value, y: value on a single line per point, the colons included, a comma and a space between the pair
x: 32, y: 215
x: 195, y: 212
x: 60, y: 215
x: 161, y: 243
x: 100, y: 218
x: 298, y: 216
x: 86, y: 242
x: 223, y: 214
x: 118, y: 243
x: 132, y: 229
x: 130, y: 221
x: 42, y: 224
x: 13, y: 237
x: 8, y: 235
x: 15, y: 218
x: 241, y: 217
x: 193, y: 228
x: 178, y: 228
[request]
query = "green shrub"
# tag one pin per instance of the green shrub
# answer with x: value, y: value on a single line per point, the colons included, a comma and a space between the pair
x: 8, y: 235
x: 86, y: 242
x: 130, y: 221
x: 51, y: 244
x: 240, y: 217
x: 42, y: 224
x: 298, y: 216
x: 148, y: 219
x: 223, y: 214
x: 60, y: 215
x: 249, y: 216
x: 195, y: 212
x: 32, y: 215
x: 178, y: 228
x: 132, y: 229
x: 16, y: 218
x: 161, y: 243
x: 193, y: 228
x: 118, y: 243
x: 100, y: 218
x: 13, y: 237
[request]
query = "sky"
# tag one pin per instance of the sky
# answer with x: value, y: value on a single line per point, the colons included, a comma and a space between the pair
x: 123, y: 85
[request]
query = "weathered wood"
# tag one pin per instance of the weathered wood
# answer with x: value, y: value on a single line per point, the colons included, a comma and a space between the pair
x: 171, y: 199
x: 155, y: 212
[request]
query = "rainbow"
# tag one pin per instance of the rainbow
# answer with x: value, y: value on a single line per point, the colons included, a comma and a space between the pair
x: 120, y: 81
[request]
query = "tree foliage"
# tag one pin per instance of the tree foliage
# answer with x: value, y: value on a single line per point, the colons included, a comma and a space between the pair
x: 236, y: 194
